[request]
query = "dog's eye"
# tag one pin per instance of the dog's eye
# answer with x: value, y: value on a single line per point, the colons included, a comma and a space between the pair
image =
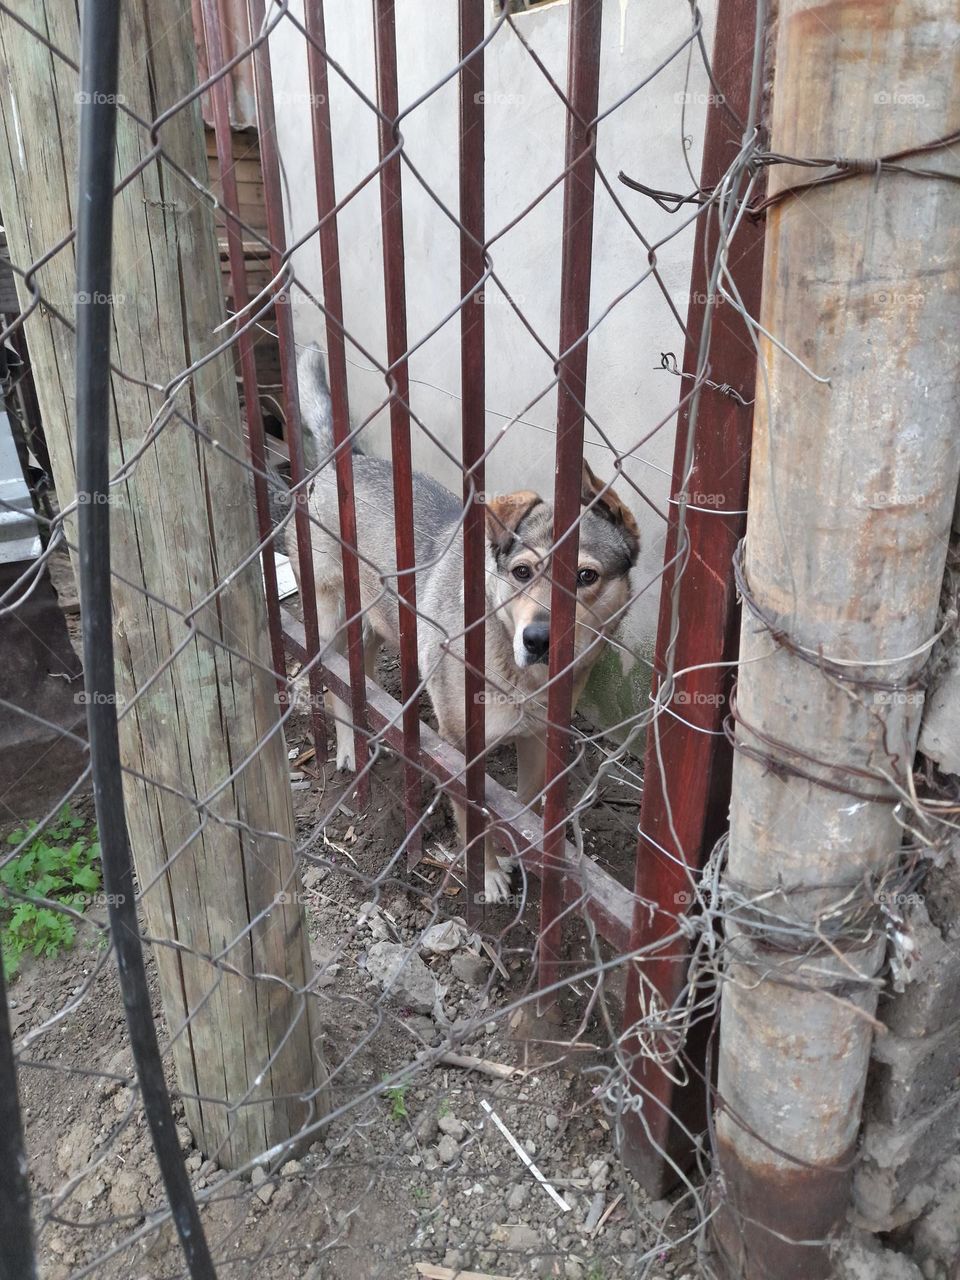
x: 522, y: 572
x: 587, y: 577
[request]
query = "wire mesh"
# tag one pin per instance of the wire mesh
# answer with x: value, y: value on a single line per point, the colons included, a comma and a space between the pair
x: 387, y: 1051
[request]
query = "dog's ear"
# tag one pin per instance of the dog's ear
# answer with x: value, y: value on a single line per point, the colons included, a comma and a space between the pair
x: 610, y: 507
x: 504, y: 514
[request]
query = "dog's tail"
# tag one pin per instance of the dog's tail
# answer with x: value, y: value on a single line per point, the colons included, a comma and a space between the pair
x: 316, y: 407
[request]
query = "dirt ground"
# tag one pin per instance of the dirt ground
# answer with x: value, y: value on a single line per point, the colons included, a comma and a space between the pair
x: 417, y: 1175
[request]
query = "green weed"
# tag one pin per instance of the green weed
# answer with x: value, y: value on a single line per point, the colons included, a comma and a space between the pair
x: 62, y: 864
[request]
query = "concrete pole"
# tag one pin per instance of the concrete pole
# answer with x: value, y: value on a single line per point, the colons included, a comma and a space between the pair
x: 217, y: 873
x: 852, y: 491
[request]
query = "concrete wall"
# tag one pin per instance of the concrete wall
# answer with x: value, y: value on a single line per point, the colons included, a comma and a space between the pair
x: 650, y: 136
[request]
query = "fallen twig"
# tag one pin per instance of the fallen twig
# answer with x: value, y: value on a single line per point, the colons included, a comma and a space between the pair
x: 484, y: 1065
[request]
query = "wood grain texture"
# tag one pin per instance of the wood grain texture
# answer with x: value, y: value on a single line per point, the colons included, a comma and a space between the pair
x: 212, y: 850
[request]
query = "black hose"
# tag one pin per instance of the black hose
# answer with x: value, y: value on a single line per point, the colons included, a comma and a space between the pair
x: 16, y: 1256
x: 98, y: 84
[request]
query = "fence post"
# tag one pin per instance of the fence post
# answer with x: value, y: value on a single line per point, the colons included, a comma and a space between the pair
x: 210, y: 815
x: 853, y: 481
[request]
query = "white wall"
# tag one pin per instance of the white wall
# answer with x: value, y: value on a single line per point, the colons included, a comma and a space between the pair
x: 524, y: 153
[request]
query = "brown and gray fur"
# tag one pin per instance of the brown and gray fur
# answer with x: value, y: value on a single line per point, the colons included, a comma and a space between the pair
x: 519, y: 540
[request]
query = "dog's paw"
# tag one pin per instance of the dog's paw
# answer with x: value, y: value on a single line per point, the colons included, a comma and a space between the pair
x: 496, y: 884
x: 346, y: 757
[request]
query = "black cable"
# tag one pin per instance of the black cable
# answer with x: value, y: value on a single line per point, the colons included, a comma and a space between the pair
x: 99, y: 58
x: 16, y: 1257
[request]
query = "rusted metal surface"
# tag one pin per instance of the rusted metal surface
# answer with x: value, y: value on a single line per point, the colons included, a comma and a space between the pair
x: 288, y: 364
x: 337, y: 367
x: 583, y: 87
x: 395, y: 301
x: 593, y: 890
x: 245, y: 342
x: 855, y: 469
x: 233, y: 24
x: 688, y: 761
x: 473, y: 394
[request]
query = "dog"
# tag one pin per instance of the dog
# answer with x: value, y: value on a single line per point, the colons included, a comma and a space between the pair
x: 519, y: 529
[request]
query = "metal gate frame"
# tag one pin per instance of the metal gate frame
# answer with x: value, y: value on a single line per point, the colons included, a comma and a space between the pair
x: 698, y: 752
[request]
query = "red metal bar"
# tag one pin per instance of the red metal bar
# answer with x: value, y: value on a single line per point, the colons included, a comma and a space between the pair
x: 696, y: 765
x: 473, y: 433
x: 241, y: 296
x: 583, y: 85
x: 337, y: 368
x: 276, y: 234
x: 395, y: 297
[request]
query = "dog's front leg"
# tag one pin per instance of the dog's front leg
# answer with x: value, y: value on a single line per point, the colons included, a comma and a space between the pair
x: 496, y: 870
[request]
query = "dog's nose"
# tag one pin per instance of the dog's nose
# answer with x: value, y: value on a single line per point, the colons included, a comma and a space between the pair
x: 536, y: 640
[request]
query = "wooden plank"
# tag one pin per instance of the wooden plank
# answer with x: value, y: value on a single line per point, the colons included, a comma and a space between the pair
x: 516, y: 829
x: 182, y: 522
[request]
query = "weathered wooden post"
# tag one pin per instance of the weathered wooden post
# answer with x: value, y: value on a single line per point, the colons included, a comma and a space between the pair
x: 851, y: 496
x: 209, y: 812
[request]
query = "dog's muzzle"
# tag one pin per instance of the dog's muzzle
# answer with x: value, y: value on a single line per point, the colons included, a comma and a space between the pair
x: 536, y: 642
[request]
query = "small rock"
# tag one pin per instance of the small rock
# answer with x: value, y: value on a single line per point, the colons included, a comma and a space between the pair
x: 628, y: 1238
x: 265, y: 1192
x: 530, y: 1147
x: 125, y: 1193
x: 402, y: 973
x: 292, y: 1169
x: 518, y: 1197
x: 517, y: 1237
x: 553, y: 1124
x: 442, y: 938
x: 257, y: 1176
x: 194, y: 1161
x: 447, y: 1149
x: 450, y: 1124
x: 573, y: 1270
x: 595, y: 1212
x: 471, y: 970
x: 422, y: 1027
x: 208, y: 1167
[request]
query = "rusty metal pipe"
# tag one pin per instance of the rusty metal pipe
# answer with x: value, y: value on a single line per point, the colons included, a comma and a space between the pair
x: 395, y: 301
x: 583, y: 87
x: 473, y: 431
